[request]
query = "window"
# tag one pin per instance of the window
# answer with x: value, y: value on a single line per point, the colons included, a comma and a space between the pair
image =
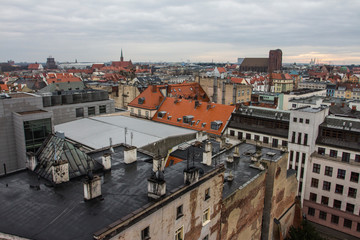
x: 206, y: 237
x: 179, y: 234
x: 147, y: 115
x: 91, y: 111
x: 102, y: 109
x: 297, y: 157
x: 305, y: 139
x: 313, y: 197
x: 299, y: 138
x: 324, y: 200
x: 256, y: 137
x: 275, y: 142
x: 79, y: 112
x: 354, y: 177
x: 316, y: 168
x: 179, y: 211
x: 302, y: 172
x: 328, y: 171
x: 248, y: 136
x: 339, y: 189
x: 314, y: 182
x: 357, y: 158
x: 145, y: 233
x: 326, y: 186
x: 307, y: 121
x: 36, y: 131
x: 347, y: 223
x: 350, y: 207
x: 284, y: 143
x: 301, y: 120
x: 337, y: 204
x: 345, y: 157
x: 232, y: 133
x: 240, y: 135
x: 341, y: 173
x: 293, y: 137
x: 295, y: 119
x: 215, y: 125
x: 139, y: 112
x: 311, y: 211
x: 333, y: 153
x: 321, y: 151
x: 352, y: 192
x: 265, y: 139
x: 132, y: 110
x: 334, y: 219
x: 322, y: 215
x: 207, y: 194
x: 303, y: 158
x: 206, y: 216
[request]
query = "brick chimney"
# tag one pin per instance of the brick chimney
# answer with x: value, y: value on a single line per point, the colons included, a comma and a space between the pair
x: 106, y: 161
x: 60, y: 171
x: 156, y: 187
x: 92, y: 188
x: 130, y: 154
x: 353, y: 108
x: 158, y: 164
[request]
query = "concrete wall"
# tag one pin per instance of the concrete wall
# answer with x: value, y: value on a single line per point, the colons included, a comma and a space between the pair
x: 163, y: 223
x: 8, y: 146
x: 140, y: 112
x: 242, y: 211
x: 67, y: 113
x: 162, y: 146
x: 126, y: 94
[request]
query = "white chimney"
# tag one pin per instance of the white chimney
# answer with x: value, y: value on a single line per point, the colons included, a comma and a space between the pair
x: 199, y: 136
x: 158, y: 164
x: 130, y: 154
x: 92, y: 188
x: 191, y: 175
x: 106, y: 161
x: 207, y: 156
x: 60, y: 171
x: 156, y: 187
x: 31, y: 160
x: 236, y: 151
x: 230, y: 159
x: 208, y: 146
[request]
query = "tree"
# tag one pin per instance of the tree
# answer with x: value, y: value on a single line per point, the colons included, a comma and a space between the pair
x: 305, y: 232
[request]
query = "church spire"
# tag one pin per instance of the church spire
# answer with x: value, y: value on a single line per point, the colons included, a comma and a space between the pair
x: 121, y: 57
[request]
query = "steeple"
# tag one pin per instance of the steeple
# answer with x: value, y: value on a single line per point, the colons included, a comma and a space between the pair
x: 121, y: 57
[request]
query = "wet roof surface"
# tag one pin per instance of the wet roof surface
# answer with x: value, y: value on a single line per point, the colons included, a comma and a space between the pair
x: 96, y: 131
x: 61, y: 213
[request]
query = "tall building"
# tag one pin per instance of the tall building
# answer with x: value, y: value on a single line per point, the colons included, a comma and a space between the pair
x: 50, y: 63
x: 275, y: 60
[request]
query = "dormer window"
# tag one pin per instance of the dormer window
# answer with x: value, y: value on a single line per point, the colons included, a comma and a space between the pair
x: 215, y: 125
x: 141, y: 100
x: 179, y: 119
x: 203, y: 124
x: 161, y: 114
x: 188, y: 118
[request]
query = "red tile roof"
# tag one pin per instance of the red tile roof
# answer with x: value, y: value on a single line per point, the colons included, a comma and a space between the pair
x: 151, y: 98
x: 34, y: 66
x: 61, y: 77
x: 4, y: 87
x: 237, y: 80
x: 124, y: 64
x: 97, y: 66
x: 221, y: 69
x: 200, y: 114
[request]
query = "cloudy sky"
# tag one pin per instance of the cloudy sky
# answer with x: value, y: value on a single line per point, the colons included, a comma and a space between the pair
x: 161, y: 30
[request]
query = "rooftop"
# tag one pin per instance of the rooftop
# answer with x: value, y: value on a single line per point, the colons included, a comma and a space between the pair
x: 96, y: 132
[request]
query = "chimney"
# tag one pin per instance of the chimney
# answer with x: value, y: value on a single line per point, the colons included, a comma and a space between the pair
x: 208, y: 146
x: 158, y: 164
x: 130, y: 154
x: 197, y: 103
x: 60, y: 171
x: 31, y: 161
x: 343, y: 104
x: 230, y: 159
x: 156, y: 187
x: 153, y: 88
x: 207, y: 158
x: 92, y: 188
x: 199, y: 136
x: 236, y: 151
x: 191, y: 175
x: 353, y: 108
x: 332, y: 103
x: 106, y: 161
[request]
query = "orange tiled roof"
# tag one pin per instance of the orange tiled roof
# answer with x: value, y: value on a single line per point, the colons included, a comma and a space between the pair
x: 97, y: 66
x: 34, y: 66
x: 237, y: 80
x: 4, y: 87
x: 221, y: 69
x: 61, y: 77
x: 124, y: 64
x: 188, y: 90
x: 201, y: 117
x: 151, y: 98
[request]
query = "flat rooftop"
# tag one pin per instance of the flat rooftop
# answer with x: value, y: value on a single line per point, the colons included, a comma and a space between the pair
x: 95, y: 132
x: 60, y: 212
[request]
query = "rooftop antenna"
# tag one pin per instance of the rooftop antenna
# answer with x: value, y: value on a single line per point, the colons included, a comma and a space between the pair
x: 132, y: 136
x: 125, y: 133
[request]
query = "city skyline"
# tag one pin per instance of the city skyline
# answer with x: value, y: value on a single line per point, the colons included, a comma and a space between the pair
x: 200, y: 31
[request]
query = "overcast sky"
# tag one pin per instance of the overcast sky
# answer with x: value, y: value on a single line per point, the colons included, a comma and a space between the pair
x: 160, y: 30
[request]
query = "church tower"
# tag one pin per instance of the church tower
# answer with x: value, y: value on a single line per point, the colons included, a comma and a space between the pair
x: 121, y: 57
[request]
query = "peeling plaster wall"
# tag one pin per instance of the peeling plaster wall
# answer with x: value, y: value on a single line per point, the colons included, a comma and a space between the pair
x: 243, y: 210
x: 163, y: 223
